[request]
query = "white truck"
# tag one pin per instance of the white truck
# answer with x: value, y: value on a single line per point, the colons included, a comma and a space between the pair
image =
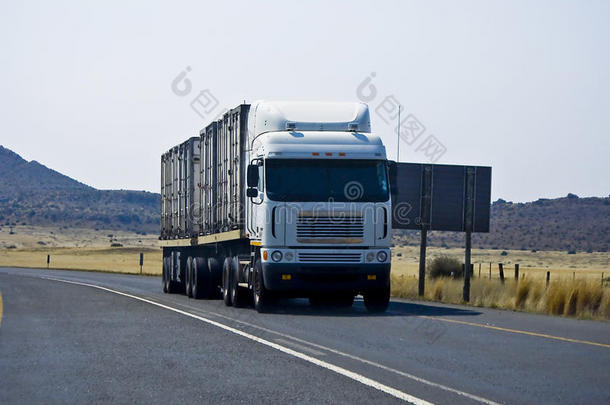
x: 279, y: 199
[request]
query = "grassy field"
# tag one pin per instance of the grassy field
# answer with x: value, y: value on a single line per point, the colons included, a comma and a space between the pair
x: 119, y: 260
x: 575, y: 288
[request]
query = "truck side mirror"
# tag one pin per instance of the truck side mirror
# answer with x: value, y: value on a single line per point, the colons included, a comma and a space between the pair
x: 251, y: 192
x: 252, y: 176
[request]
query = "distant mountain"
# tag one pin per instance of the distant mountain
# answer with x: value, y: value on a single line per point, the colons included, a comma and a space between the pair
x: 566, y: 224
x: 33, y: 194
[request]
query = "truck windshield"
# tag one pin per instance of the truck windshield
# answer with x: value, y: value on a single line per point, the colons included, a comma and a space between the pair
x: 325, y: 179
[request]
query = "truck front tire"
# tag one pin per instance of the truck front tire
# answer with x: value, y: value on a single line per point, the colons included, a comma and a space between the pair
x: 262, y: 298
x: 377, y: 301
x: 227, y: 282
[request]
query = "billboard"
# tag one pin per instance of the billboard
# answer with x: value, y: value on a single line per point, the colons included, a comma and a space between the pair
x: 440, y: 197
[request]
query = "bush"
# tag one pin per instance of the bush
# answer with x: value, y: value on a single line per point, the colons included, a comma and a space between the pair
x: 504, y: 253
x: 571, y: 252
x: 445, y: 266
x: 116, y: 244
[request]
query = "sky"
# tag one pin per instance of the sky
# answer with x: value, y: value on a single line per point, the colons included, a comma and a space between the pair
x: 99, y: 90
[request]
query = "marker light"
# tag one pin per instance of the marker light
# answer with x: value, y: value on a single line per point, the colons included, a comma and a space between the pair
x: 382, y: 256
x: 265, y: 255
x: 370, y: 256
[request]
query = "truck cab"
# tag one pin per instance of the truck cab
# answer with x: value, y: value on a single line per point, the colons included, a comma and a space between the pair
x: 318, y: 202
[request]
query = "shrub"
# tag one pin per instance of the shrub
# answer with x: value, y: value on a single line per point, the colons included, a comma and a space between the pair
x: 571, y: 252
x: 116, y: 244
x: 445, y: 266
x: 504, y: 253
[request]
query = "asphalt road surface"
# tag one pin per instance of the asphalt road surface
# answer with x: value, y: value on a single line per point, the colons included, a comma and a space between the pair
x: 81, y: 337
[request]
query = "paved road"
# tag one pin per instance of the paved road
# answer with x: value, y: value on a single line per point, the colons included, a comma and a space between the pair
x: 98, y: 337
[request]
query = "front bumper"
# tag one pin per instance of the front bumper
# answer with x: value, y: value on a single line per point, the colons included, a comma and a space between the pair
x: 306, y: 278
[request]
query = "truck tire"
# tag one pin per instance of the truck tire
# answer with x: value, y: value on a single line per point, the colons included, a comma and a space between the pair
x: 188, y: 290
x: 262, y: 298
x: 164, y: 275
x: 173, y: 287
x: 377, y: 301
x: 200, y: 283
x: 215, y: 277
x: 238, y: 294
x: 227, y: 282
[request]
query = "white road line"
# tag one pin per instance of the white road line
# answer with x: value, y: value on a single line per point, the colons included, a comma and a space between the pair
x: 298, y: 346
x: 351, y: 356
x: 339, y: 370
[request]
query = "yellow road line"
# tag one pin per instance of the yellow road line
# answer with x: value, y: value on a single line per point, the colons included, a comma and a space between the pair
x: 522, y: 332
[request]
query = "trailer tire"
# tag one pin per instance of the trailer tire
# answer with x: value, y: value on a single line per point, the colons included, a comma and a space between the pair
x: 214, y: 277
x: 188, y: 284
x: 164, y: 275
x: 200, y: 283
x: 262, y: 298
x: 377, y: 301
x: 227, y: 282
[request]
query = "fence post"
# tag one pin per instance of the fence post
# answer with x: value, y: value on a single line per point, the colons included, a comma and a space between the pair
x: 548, y: 278
x: 517, y: 271
x: 490, y: 270
x: 501, y: 266
x: 479, y: 270
x: 141, y: 261
x: 49, y: 262
x: 602, y: 278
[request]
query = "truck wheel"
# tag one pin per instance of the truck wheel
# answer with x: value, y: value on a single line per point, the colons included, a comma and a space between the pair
x: 200, y: 284
x: 214, y: 277
x: 227, y: 282
x: 164, y: 275
x: 238, y: 294
x: 377, y: 301
x: 188, y: 290
x: 262, y: 298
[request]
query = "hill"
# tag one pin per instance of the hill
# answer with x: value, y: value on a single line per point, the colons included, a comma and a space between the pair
x: 33, y: 194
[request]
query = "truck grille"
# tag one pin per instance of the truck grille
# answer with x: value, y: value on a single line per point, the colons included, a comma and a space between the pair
x: 323, y: 257
x: 330, y: 229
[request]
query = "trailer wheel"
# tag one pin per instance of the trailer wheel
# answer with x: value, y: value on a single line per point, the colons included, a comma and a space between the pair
x: 377, y: 301
x: 262, y: 298
x: 200, y: 282
x: 188, y: 284
x: 173, y: 287
x: 227, y: 282
x: 214, y: 277
x: 164, y: 275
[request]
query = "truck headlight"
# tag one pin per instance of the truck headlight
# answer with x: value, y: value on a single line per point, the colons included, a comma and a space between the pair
x: 288, y: 256
x: 382, y: 256
x: 370, y: 256
x: 276, y: 256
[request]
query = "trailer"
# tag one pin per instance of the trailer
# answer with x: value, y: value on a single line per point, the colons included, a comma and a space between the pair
x: 279, y: 199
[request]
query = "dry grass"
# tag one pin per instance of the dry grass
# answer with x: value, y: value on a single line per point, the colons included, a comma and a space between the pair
x: 579, y: 298
x: 119, y: 260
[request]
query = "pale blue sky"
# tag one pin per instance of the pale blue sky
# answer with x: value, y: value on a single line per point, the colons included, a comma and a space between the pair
x: 519, y: 85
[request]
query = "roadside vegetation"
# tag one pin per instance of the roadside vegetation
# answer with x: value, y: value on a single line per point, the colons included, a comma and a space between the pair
x: 585, y: 299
